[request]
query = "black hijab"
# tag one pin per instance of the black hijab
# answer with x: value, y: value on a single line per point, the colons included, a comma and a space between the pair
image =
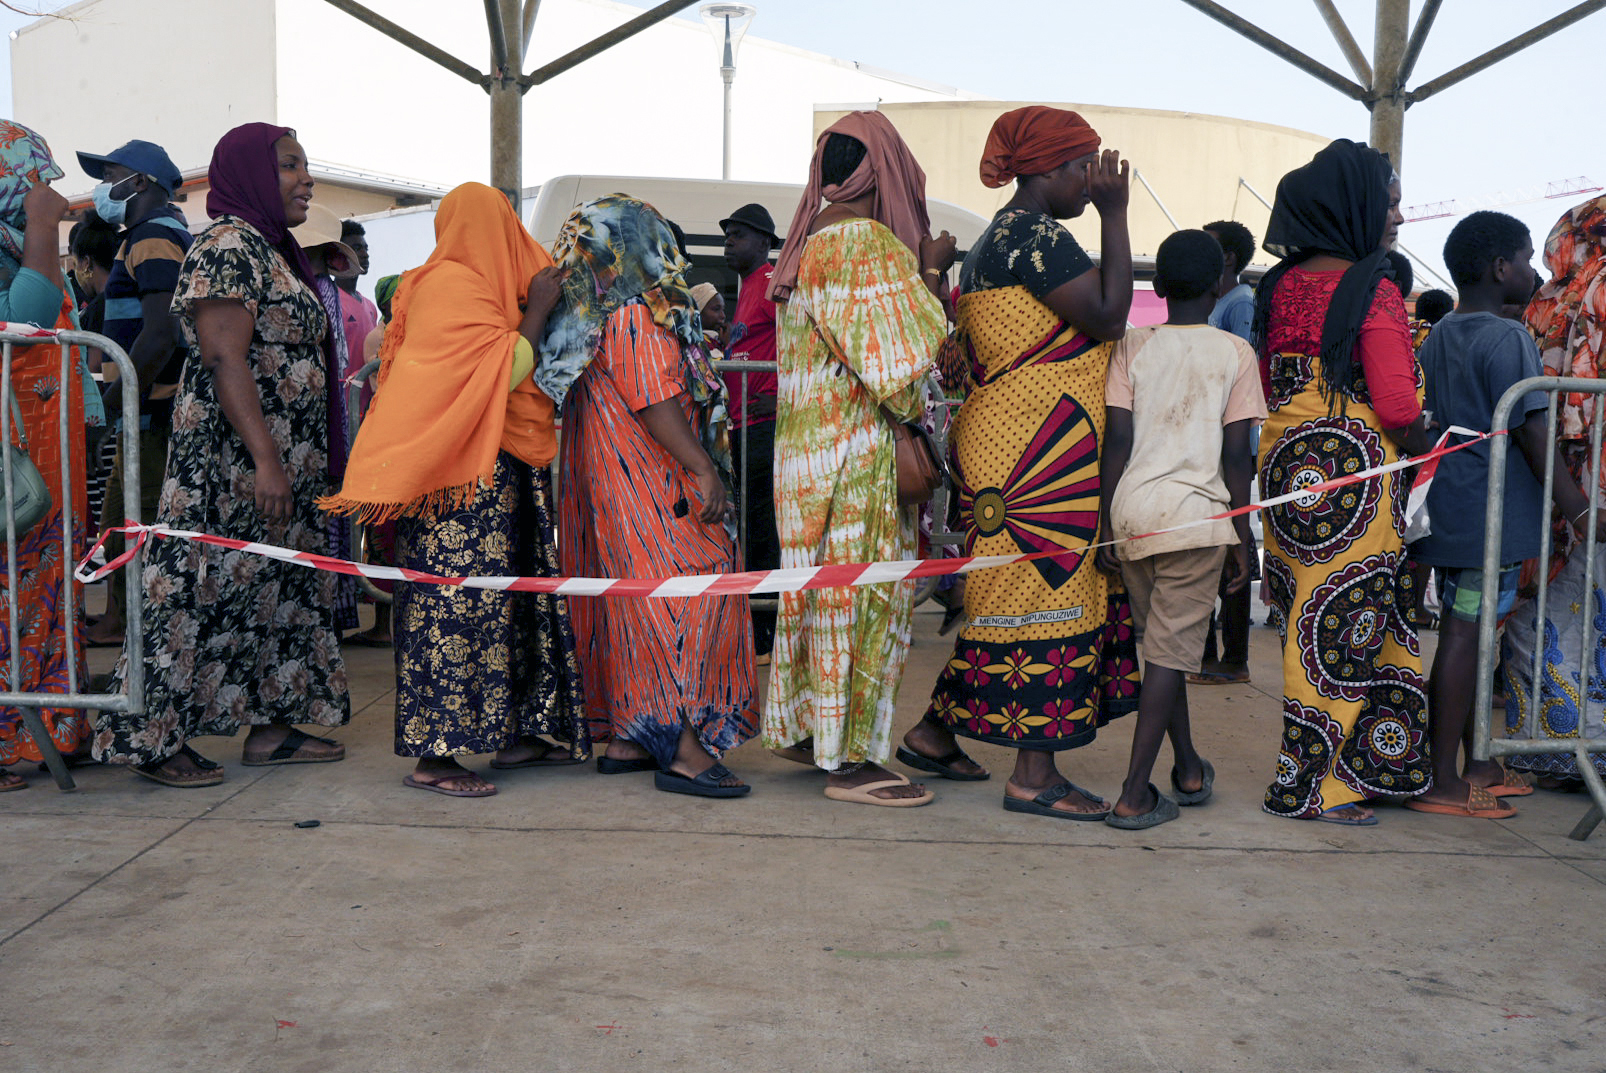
x: 1337, y: 204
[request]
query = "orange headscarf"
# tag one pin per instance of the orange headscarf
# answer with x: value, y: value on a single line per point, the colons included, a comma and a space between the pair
x: 443, y: 410
x: 1033, y: 141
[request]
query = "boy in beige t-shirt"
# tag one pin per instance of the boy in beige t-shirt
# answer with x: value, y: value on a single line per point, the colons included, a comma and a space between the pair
x: 1181, y: 401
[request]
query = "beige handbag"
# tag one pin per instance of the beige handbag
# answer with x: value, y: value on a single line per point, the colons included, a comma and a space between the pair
x: 920, y: 467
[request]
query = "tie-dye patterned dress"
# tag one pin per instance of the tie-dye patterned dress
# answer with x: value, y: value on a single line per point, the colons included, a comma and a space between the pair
x: 839, y: 653
x: 630, y: 510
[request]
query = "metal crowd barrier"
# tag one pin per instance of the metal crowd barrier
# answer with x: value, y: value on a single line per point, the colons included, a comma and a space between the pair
x: 744, y: 370
x: 1484, y: 744
x: 75, y: 697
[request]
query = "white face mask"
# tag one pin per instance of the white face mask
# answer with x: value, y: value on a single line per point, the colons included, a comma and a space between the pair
x: 112, y: 210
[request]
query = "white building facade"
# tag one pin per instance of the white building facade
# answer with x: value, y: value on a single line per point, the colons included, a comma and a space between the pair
x: 182, y: 72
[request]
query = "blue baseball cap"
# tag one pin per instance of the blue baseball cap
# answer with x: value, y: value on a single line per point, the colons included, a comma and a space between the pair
x: 146, y: 158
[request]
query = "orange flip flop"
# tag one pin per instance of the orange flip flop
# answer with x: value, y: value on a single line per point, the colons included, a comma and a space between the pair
x: 1481, y: 805
x: 1512, y: 784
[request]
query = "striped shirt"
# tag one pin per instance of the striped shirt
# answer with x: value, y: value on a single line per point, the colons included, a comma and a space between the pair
x: 148, y: 262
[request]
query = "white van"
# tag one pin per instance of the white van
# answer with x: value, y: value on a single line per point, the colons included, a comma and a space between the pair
x: 698, y: 205
x: 402, y: 238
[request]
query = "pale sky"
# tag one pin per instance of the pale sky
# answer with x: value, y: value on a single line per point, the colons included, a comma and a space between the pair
x: 1507, y: 132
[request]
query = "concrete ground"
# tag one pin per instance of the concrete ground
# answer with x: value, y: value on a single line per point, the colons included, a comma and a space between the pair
x: 575, y: 922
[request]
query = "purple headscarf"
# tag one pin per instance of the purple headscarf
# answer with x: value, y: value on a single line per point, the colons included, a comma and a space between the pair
x: 245, y: 182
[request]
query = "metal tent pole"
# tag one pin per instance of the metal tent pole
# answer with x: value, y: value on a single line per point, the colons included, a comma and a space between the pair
x: 505, y: 18
x: 1387, y: 99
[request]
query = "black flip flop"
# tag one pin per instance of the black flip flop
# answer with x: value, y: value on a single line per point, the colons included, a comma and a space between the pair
x: 286, y: 752
x: 1043, y: 804
x: 610, y: 765
x: 1164, y: 811
x: 153, y: 771
x: 704, y: 785
x: 554, y: 756
x: 941, y: 765
x: 1194, y: 797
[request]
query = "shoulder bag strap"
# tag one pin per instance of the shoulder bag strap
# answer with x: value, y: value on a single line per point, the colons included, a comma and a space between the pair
x: 836, y: 352
x: 17, y: 424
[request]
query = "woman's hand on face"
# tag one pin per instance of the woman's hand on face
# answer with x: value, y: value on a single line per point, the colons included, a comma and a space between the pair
x: 712, y: 490
x: 274, y: 501
x: 545, y: 291
x: 1109, y: 182
x: 42, y: 205
x: 938, y: 253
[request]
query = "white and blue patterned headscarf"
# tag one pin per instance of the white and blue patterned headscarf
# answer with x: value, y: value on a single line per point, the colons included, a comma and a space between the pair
x: 617, y: 250
x: 25, y: 161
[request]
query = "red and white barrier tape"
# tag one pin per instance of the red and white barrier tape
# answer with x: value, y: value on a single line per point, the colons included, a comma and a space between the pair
x: 751, y: 582
x: 32, y: 331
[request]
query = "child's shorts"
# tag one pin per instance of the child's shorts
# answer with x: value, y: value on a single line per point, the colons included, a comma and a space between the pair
x: 1463, y: 591
x: 1173, y: 594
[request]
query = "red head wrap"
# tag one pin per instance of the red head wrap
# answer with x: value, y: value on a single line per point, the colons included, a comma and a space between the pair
x: 1032, y: 141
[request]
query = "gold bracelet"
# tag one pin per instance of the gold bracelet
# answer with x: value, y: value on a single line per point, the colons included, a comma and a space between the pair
x: 931, y: 272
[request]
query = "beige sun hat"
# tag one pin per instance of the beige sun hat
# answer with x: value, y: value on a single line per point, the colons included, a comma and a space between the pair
x: 702, y: 294
x: 322, y: 228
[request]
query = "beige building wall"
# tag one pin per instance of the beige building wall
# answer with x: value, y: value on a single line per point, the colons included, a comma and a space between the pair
x: 1193, y: 162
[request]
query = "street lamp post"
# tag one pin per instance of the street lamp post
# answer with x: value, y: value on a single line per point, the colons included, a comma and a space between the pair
x: 728, y: 23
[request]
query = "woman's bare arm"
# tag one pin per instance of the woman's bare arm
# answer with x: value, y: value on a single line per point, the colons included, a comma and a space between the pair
x: 224, y: 329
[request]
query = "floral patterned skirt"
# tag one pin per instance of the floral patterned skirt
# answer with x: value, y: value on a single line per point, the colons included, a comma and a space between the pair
x: 231, y: 638
x: 476, y: 669
x: 1354, y: 705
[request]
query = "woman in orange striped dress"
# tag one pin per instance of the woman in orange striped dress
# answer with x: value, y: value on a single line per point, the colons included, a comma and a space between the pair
x: 31, y: 291
x: 646, y: 471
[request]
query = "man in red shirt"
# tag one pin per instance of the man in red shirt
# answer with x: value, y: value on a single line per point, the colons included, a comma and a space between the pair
x: 749, y: 239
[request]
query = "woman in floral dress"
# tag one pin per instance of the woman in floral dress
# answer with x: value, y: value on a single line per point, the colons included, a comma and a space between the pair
x: 233, y: 638
x: 477, y: 670
x: 1568, y: 319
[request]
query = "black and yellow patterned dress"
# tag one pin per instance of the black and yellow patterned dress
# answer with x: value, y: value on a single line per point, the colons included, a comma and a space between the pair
x: 1049, y: 654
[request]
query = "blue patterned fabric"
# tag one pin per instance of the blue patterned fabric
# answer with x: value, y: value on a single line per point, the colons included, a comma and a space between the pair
x: 25, y: 160
x: 617, y: 250
x: 476, y: 669
x: 1569, y: 707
